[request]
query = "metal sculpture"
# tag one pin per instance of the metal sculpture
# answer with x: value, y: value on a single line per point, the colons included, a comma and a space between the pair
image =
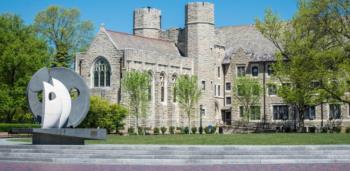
x: 58, y: 109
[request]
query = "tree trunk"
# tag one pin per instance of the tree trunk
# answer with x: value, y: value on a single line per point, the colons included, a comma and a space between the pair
x: 189, y: 122
x: 301, y: 119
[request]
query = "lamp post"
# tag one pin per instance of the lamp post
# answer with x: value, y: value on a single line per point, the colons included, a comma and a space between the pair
x: 200, y: 119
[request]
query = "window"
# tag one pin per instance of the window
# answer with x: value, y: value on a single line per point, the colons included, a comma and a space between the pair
x: 218, y: 90
x: 240, y: 90
x: 269, y: 69
x: 203, y: 85
x: 334, y: 111
x: 241, y: 111
x: 310, y: 112
x: 162, y: 87
x: 228, y: 86
x: 255, y: 112
x: 228, y: 100
x: 272, y: 89
x: 102, y: 73
x: 218, y: 72
x: 280, y: 112
x: 241, y: 71
x: 174, y: 87
x: 255, y: 71
x: 150, y: 86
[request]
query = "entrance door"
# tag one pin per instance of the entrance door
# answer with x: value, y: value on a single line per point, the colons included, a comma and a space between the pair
x: 226, y: 117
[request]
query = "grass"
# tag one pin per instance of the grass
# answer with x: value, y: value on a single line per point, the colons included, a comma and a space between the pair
x: 233, y: 139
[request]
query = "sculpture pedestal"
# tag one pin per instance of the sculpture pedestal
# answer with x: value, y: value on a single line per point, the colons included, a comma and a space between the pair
x: 66, y: 136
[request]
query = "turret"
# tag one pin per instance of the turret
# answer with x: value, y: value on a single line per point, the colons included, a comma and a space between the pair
x: 147, y: 22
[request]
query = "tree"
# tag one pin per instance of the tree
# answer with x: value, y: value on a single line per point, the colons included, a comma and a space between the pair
x: 187, y: 93
x: 136, y: 85
x: 21, y: 55
x: 312, y: 52
x: 247, y: 91
x: 103, y: 114
x: 64, y: 31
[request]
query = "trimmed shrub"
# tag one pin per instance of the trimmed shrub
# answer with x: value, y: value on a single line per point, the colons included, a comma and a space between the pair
x: 194, y: 130
x: 337, y: 129
x: 6, y: 127
x: 186, y: 130
x: 140, y: 130
x: 172, y: 130
x: 163, y: 129
x: 207, y: 130
x: 213, y: 130
x: 347, y: 129
x: 155, y: 131
x: 131, y: 130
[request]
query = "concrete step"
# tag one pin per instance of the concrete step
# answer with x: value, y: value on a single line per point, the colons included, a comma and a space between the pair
x: 152, y: 156
x: 175, y: 155
x: 172, y: 161
x: 182, y: 152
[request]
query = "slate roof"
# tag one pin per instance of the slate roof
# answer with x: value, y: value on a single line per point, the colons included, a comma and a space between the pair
x: 249, y: 39
x: 128, y: 41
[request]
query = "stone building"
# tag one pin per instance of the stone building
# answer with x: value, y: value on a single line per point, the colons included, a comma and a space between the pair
x: 215, y: 55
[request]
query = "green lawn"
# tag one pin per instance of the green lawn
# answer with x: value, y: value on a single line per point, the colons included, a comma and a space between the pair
x: 234, y: 139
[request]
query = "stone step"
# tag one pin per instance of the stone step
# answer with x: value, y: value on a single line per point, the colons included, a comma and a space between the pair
x: 182, y: 152
x: 152, y: 156
x: 172, y: 161
x: 182, y: 147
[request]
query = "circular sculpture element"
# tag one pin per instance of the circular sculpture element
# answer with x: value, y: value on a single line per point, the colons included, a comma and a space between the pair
x: 58, y: 109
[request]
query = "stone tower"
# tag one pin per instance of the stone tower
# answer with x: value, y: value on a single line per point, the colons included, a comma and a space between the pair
x: 200, y: 29
x: 147, y: 22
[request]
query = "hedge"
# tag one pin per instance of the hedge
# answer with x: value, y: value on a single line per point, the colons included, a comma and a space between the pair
x: 6, y: 127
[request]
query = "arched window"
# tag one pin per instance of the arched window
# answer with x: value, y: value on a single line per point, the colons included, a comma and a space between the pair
x: 173, y: 79
x: 162, y: 87
x: 150, y: 85
x: 102, y: 73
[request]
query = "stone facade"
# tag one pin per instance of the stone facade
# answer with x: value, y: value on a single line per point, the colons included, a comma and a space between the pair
x: 213, y: 54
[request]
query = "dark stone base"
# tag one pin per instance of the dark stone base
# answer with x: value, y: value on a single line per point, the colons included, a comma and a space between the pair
x: 66, y: 136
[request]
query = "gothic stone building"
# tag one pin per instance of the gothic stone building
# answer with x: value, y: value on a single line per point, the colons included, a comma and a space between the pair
x: 215, y: 55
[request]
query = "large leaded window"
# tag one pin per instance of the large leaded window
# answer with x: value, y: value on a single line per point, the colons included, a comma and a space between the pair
x: 162, y: 87
x: 102, y: 73
x: 280, y: 112
x: 334, y: 111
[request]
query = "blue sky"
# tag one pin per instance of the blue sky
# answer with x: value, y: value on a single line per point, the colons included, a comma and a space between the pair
x: 117, y: 14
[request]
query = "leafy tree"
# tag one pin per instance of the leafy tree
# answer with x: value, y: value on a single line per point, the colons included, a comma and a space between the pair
x: 136, y: 85
x: 64, y: 31
x: 104, y: 114
x: 247, y: 91
x: 187, y: 93
x: 21, y: 55
x: 313, y: 52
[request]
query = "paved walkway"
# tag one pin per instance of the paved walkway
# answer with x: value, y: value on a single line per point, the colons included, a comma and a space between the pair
x: 5, y: 141
x: 241, y: 167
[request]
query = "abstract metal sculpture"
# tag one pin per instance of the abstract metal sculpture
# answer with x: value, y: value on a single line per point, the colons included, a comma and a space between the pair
x: 57, y: 109
x: 58, y: 112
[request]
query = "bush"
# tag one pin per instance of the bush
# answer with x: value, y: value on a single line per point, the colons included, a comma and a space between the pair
x: 337, y: 129
x: 186, y: 130
x: 140, y: 130
x: 104, y: 114
x: 172, y: 130
x: 213, y: 130
x: 194, y: 130
x: 6, y: 127
x: 131, y: 130
x: 155, y: 131
x: 163, y: 129
x: 347, y: 129
x: 207, y: 130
